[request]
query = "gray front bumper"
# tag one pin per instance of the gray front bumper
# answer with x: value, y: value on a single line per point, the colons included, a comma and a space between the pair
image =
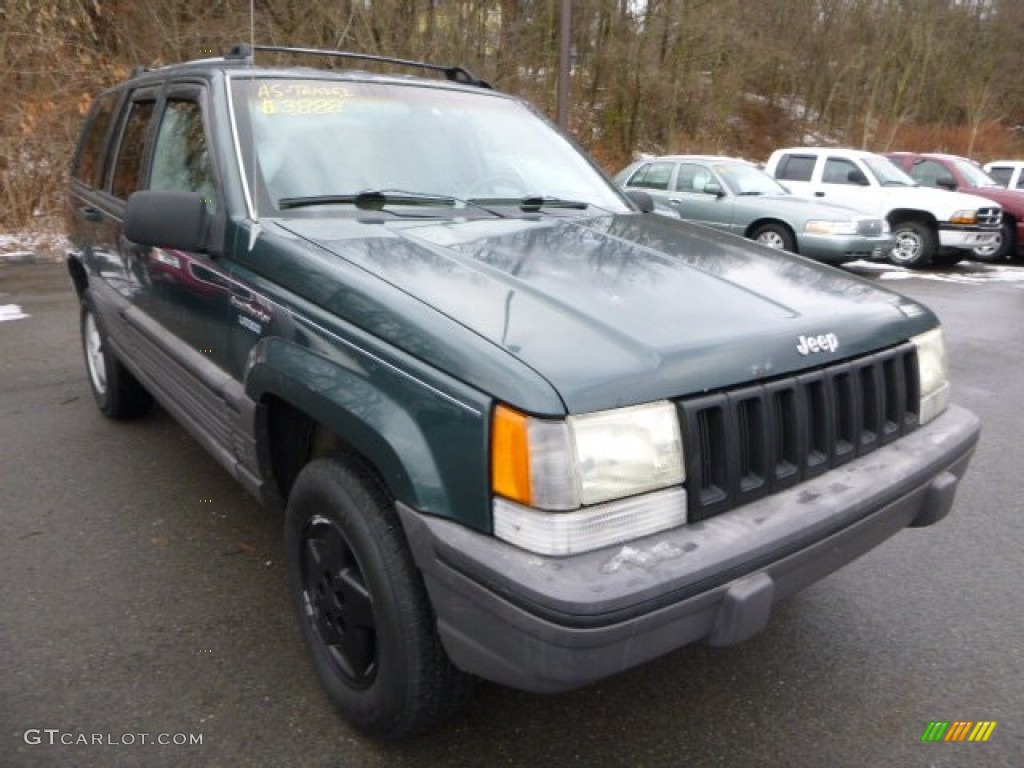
x: 554, y: 623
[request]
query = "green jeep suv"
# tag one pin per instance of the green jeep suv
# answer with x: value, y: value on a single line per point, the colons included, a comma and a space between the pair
x: 520, y: 429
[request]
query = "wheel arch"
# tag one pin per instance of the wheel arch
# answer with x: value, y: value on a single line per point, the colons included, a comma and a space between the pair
x: 768, y: 220
x: 1016, y: 226
x: 764, y: 221
x: 314, y: 407
x: 900, y: 215
x: 79, y: 277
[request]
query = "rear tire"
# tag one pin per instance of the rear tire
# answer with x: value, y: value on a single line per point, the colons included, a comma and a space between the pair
x: 118, y: 394
x: 916, y: 245
x: 363, y: 608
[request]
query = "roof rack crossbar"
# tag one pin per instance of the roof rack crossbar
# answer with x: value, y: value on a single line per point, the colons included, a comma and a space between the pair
x: 453, y: 73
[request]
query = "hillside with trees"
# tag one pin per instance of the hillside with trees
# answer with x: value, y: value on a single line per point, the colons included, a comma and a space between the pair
x: 722, y: 76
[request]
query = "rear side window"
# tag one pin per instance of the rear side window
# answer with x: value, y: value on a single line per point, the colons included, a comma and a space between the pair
x: 132, y: 150
x: 88, y: 164
x: 795, y: 167
x: 692, y: 178
x: 653, y: 176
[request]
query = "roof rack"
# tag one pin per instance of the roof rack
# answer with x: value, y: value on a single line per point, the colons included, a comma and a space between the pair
x: 455, y: 74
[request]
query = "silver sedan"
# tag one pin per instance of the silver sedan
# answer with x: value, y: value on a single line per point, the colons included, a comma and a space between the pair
x: 736, y: 196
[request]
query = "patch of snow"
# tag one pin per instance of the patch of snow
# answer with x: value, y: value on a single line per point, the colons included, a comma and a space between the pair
x: 31, y: 246
x: 11, y: 312
x: 968, y: 273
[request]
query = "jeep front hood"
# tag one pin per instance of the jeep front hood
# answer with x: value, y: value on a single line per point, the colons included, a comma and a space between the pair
x: 623, y: 309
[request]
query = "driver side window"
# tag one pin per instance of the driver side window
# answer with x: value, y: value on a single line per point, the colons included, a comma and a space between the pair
x: 929, y: 173
x: 838, y: 171
x: 181, y: 159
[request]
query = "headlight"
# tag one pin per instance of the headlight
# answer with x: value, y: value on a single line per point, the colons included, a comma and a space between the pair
x: 831, y: 227
x: 564, y: 486
x: 964, y: 217
x: 933, y: 374
x: 627, y: 451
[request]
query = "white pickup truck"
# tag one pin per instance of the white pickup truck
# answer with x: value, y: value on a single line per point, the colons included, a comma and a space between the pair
x: 931, y: 226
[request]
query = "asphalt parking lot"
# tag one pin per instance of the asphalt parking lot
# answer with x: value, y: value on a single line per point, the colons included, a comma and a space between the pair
x: 142, y: 595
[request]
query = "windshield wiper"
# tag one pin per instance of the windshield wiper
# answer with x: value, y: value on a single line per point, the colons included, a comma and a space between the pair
x: 371, y: 200
x: 751, y: 193
x: 532, y: 202
x: 536, y: 202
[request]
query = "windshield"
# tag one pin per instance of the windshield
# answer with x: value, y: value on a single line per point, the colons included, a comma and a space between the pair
x: 888, y: 175
x: 748, y: 180
x: 332, y: 139
x: 975, y: 176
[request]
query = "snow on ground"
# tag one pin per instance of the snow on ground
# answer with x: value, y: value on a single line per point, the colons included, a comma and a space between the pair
x: 966, y: 272
x: 32, y: 246
x: 11, y: 312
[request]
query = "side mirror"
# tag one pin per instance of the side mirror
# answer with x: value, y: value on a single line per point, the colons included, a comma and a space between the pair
x: 641, y: 200
x: 714, y: 188
x: 856, y: 176
x: 162, y: 219
x: 946, y: 182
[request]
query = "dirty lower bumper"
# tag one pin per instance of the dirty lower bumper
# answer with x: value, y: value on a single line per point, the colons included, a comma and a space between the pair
x: 966, y: 239
x: 839, y: 249
x: 554, y: 623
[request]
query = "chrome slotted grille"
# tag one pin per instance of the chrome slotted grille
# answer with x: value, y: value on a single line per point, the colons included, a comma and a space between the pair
x: 990, y: 217
x: 748, y: 442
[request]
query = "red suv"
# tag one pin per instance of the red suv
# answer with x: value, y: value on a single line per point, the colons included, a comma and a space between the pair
x: 962, y: 175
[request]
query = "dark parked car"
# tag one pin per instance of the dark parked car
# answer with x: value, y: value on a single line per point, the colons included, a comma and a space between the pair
x: 736, y: 196
x: 519, y: 429
x: 960, y: 174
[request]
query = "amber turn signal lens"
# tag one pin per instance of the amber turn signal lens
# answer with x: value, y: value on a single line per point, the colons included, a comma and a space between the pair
x: 510, y: 455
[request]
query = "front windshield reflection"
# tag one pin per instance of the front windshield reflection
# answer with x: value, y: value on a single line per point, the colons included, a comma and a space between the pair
x: 975, y: 176
x: 316, y: 138
x: 748, y: 180
x: 887, y: 173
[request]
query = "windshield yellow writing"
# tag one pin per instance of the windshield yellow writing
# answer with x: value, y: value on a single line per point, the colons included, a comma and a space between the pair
x: 301, y: 106
x: 301, y: 98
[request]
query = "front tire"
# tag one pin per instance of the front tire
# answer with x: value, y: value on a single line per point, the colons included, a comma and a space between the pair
x: 774, y: 236
x: 117, y: 393
x: 363, y: 608
x: 1002, y: 249
x: 916, y: 245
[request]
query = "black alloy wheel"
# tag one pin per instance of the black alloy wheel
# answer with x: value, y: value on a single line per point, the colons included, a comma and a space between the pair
x: 363, y: 608
x: 337, y: 603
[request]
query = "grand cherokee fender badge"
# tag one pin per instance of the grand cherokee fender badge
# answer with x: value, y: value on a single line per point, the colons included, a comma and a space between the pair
x: 809, y: 345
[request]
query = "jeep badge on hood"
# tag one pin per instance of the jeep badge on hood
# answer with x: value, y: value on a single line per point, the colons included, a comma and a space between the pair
x: 809, y: 345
